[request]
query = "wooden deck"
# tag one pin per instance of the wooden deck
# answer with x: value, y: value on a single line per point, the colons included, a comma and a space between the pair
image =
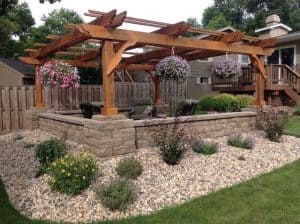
x: 279, y: 78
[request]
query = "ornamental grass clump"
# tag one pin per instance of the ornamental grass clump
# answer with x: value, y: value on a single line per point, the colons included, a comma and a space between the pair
x: 58, y: 73
x: 170, y: 141
x: 244, y: 100
x: 117, y: 195
x: 72, y: 174
x: 227, y: 69
x: 173, y: 67
x: 240, y: 142
x: 206, y: 148
x: 273, y: 122
x: 129, y: 168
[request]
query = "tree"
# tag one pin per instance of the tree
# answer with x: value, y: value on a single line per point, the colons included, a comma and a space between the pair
x: 217, y: 22
x: 15, y: 26
x: 50, y: 1
x: 193, y: 23
x: 54, y: 24
x: 248, y: 15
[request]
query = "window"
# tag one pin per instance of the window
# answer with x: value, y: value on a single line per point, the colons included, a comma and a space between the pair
x: 203, y: 80
x: 245, y: 59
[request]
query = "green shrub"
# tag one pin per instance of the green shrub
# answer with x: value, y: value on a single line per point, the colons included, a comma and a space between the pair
x: 242, y: 158
x: 206, y: 148
x: 170, y: 142
x: 244, y: 100
x: 226, y: 103
x: 206, y: 103
x: 72, y: 174
x: 240, y: 142
x: 273, y: 122
x: 50, y: 150
x: 129, y: 168
x: 297, y: 110
x: 117, y: 195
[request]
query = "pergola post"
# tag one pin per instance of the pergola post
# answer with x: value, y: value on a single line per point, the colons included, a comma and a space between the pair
x: 156, y: 90
x: 109, y: 108
x: 39, y: 102
x: 259, y: 65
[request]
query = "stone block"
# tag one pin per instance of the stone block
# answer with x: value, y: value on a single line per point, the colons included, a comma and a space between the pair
x: 121, y: 150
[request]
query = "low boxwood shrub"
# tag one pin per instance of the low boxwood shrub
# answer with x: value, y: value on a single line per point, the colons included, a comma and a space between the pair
x: 117, y: 195
x: 240, y: 142
x: 170, y: 142
x: 206, y: 148
x: 206, y: 103
x: 50, y: 150
x: 72, y: 174
x: 129, y: 168
x: 273, y: 122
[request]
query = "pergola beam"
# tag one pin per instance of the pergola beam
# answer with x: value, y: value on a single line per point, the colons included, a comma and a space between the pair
x: 90, y: 64
x: 172, y: 30
x: 226, y: 38
x: 99, y: 32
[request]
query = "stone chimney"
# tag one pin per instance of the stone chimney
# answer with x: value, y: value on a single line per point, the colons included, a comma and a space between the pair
x: 273, y: 28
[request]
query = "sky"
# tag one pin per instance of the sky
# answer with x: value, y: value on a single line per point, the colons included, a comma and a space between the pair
x: 159, y: 10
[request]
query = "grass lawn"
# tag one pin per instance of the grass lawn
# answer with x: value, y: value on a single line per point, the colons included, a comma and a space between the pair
x: 271, y: 198
x: 293, y: 127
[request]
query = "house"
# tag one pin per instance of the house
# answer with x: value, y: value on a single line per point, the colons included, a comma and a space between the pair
x: 282, y: 85
x: 13, y: 72
x: 199, y: 83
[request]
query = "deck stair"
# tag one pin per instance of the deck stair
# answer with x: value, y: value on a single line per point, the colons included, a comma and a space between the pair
x: 280, y: 79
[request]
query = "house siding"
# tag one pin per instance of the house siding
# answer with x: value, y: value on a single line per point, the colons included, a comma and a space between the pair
x: 9, y: 77
x: 199, y: 69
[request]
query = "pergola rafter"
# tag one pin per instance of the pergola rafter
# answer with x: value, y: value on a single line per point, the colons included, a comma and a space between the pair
x: 112, y: 43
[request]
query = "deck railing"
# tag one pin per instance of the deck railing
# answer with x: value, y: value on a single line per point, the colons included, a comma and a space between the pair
x: 278, y: 76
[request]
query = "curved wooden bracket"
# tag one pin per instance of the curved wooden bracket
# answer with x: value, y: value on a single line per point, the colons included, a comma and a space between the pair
x: 258, y: 65
x: 116, y: 59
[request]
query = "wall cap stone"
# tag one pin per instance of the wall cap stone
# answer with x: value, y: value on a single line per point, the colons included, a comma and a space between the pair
x: 63, y: 118
x: 171, y: 120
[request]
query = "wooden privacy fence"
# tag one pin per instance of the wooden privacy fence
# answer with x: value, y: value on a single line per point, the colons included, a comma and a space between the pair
x: 15, y: 100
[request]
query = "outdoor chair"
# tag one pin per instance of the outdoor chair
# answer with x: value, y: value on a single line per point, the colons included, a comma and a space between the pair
x: 141, y: 109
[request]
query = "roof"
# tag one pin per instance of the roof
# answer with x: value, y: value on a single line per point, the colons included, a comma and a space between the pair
x: 289, y: 37
x: 274, y: 26
x: 18, y: 65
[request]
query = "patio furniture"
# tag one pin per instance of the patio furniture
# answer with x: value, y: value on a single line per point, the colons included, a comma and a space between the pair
x: 141, y: 109
x: 186, y: 107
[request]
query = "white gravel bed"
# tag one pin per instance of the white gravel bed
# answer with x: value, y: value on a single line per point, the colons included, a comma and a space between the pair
x: 159, y: 186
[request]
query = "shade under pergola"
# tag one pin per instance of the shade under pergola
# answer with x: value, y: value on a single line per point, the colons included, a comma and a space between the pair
x: 110, y: 43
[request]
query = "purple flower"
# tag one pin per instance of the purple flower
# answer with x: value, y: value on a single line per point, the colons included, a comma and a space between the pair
x: 227, y: 69
x: 173, y: 67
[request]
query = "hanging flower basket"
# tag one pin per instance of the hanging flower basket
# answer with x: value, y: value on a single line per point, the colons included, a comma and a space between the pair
x: 173, y: 67
x: 227, y: 69
x: 57, y: 73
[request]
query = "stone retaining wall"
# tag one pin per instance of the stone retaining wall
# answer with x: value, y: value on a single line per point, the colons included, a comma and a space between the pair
x: 110, y: 136
x: 210, y: 126
x: 101, y: 137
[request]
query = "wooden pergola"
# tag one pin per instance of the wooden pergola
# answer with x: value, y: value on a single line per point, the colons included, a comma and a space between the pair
x: 111, y: 44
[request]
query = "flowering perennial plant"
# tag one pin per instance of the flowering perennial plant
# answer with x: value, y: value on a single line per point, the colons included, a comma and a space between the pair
x: 227, y: 69
x: 57, y: 73
x: 72, y: 174
x: 173, y: 67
